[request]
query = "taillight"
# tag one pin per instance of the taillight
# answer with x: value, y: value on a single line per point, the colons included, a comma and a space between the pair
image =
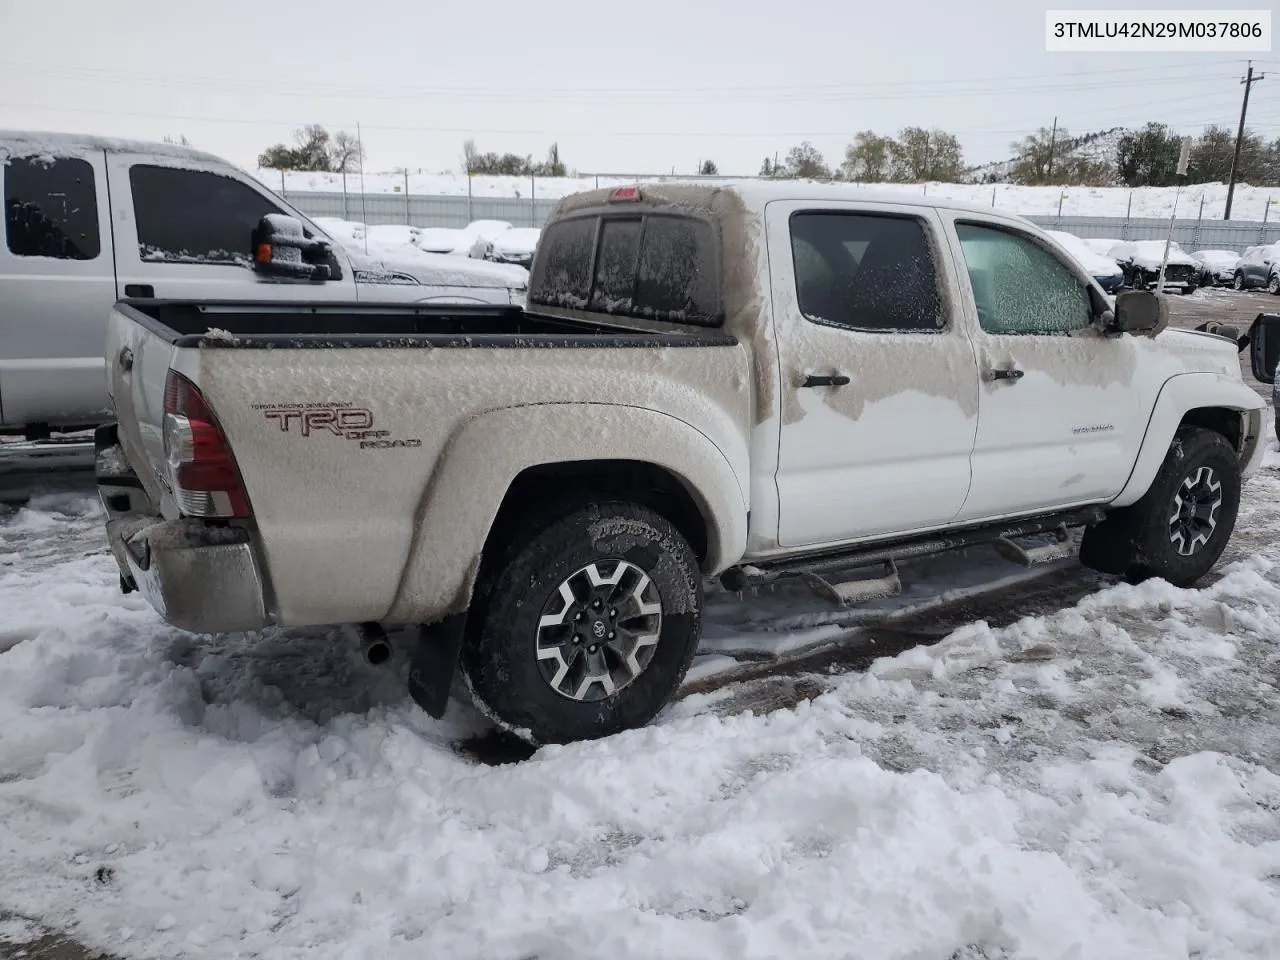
x: 202, y: 470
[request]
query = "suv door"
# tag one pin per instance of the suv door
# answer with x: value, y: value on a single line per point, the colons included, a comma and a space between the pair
x: 183, y: 231
x: 1058, y: 422
x: 879, y: 389
x: 56, y: 288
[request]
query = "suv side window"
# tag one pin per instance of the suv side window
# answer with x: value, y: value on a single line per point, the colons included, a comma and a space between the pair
x: 868, y: 272
x: 190, y: 216
x: 51, y: 208
x: 1019, y: 287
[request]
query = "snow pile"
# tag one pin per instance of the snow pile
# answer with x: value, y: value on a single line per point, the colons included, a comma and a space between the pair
x: 1099, y: 783
x: 1250, y: 203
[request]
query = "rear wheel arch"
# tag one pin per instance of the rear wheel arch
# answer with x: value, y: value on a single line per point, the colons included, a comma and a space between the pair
x: 540, y: 494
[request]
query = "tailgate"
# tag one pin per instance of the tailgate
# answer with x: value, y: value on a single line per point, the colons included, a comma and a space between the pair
x: 137, y: 360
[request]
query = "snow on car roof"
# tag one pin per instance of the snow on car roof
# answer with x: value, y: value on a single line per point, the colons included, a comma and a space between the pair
x: 29, y: 142
x: 757, y: 193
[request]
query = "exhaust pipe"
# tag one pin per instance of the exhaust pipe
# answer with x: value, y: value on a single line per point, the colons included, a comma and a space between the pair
x: 374, y: 646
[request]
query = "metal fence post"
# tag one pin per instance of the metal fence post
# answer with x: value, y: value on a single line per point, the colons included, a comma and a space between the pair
x: 533, y: 202
x: 1124, y: 230
x: 282, y: 182
x: 469, y: 217
x: 1061, y: 196
x: 1262, y: 231
x: 993, y: 195
x: 406, y: 196
x: 345, y: 215
x: 1195, y: 235
x: 597, y: 181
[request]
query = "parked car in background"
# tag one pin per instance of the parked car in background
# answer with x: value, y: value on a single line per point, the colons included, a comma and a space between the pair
x: 1102, y: 268
x: 442, y: 240
x: 1217, y: 267
x: 1102, y: 245
x: 1258, y: 268
x: 515, y: 246
x: 478, y: 234
x: 178, y: 223
x: 1140, y: 261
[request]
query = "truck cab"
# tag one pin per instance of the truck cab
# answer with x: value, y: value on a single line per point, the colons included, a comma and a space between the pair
x: 90, y: 220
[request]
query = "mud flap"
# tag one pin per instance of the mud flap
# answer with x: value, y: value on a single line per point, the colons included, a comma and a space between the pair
x: 435, y: 658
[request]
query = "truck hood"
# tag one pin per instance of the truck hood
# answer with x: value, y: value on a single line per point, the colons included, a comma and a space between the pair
x: 1201, y: 352
x: 1175, y: 257
x: 432, y: 269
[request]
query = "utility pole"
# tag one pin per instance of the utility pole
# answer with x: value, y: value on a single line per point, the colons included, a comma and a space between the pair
x: 1048, y: 174
x: 1248, y: 82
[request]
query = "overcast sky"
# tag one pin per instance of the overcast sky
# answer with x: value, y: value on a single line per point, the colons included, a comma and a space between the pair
x: 623, y: 87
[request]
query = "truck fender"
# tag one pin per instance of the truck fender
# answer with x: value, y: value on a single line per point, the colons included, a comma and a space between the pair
x: 481, y: 460
x: 1179, y: 396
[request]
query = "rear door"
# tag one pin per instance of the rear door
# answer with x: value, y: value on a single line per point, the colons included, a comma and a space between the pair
x: 56, y: 287
x: 879, y: 382
x: 183, y: 231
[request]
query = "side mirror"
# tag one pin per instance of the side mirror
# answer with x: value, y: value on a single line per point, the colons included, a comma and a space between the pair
x: 1264, y: 346
x: 1140, y: 312
x: 282, y: 249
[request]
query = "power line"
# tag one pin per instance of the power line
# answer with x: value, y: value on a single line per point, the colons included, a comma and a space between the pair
x: 1248, y: 81
x: 919, y: 90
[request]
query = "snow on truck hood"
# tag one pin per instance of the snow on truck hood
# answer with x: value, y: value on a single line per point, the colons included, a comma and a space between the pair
x: 434, y: 269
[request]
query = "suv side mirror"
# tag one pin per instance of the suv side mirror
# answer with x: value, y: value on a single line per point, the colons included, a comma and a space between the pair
x: 1264, y: 346
x: 282, y: 249
x: 1140, y: 312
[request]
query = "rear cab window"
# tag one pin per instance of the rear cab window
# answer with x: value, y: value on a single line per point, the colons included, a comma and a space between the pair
x: 51, y: 208
x: 652, y: 265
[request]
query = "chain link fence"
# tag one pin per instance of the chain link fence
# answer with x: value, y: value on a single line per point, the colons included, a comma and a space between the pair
x: 457, y: 211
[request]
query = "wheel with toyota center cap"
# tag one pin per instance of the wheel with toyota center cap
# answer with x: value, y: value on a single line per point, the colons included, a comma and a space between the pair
x: 1188, y: 514
x: 586, y: 624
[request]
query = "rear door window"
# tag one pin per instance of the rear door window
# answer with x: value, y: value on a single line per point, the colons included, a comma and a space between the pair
x: 191, y: 216
x: 51, y: 208
x: 865, y: 272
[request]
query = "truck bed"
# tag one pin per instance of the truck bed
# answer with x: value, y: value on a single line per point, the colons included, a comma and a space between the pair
x: 273, y: 325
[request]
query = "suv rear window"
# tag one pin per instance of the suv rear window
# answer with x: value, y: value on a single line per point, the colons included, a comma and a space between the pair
x: 657, y: 266
x: 51, y: 208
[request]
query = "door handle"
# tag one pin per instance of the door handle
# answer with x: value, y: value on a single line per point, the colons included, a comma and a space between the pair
x: 1011, y: 373
x: 125, y: 359
x: 143, y: 291
x: 834, y: 380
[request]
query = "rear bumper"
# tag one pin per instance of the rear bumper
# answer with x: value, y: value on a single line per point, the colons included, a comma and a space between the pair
x: 195, y: 585
x: 199, y: 577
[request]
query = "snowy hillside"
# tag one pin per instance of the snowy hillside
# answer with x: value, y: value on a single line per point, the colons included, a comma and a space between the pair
x: 1250, y: 202
x: 1095, y: 147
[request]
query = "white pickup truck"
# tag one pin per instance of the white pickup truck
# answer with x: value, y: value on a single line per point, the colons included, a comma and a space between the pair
x: 89, y: 220
x: 756, y: 381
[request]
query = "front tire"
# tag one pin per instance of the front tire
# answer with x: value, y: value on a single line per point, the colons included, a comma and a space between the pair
x: 1273, y: 285
x: 586, y: 625
x: 1237, y: 282
x: 1180, y: 527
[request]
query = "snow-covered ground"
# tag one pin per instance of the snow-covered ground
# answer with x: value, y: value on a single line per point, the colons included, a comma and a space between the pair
x: 1101, y: 782
x: 1250, y: 203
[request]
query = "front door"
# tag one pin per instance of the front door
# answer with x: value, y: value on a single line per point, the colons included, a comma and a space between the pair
x: 183, y: 231
x: 1058, y: 414
x: 878, y: 379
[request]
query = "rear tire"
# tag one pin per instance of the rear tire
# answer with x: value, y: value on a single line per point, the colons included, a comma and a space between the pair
x: 1273, y: 285
x: 1237, y: 282
x: 1180, y: 527
x: 552, y: 664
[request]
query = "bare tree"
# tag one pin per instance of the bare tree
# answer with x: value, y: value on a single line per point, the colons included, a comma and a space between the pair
x: 346, y: 153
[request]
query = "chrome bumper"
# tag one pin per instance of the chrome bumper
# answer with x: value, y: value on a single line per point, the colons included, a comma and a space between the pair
x: 194, y: 584
x: 198, y: 577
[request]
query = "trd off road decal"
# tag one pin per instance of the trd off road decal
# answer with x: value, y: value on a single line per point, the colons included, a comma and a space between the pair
x: 338, y: 419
